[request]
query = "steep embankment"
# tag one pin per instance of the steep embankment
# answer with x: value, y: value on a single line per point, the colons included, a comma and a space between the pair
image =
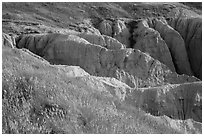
x: 176, y: 42
x: 182, y: 33
x: 43, y: 98
x: 191, y: 31
x: 131, y: 66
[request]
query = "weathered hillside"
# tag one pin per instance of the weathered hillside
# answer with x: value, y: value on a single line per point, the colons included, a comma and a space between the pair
x: 102, y: 67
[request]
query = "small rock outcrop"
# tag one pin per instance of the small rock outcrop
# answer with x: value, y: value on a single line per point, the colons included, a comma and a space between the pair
x: 112, y: 43
x: 105, y: 27
x: 8, y: 40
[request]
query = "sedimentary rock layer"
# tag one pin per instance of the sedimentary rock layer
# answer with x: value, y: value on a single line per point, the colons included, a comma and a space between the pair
x: 130, y: 66
x: 191, y: 31
x: 182, y: 36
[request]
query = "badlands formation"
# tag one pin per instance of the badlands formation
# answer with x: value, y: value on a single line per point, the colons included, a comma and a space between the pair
x: 101, y: 68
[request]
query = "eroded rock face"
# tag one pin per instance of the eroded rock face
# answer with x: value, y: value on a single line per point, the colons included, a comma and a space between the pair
x: 103, y: 40
x: 116, y: 29
x: 191, y: 31
x: 93, y: 39
x: 175, y: 44
x: 73, y: 50
x: 121, y: 32
x: 149, y: 41
x: 128, y: 65
x: 181, y: 101
x: 141, y: 35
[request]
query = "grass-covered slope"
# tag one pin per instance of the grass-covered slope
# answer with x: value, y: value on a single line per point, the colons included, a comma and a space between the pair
x: 69, y: 14
x: 41, y: 98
